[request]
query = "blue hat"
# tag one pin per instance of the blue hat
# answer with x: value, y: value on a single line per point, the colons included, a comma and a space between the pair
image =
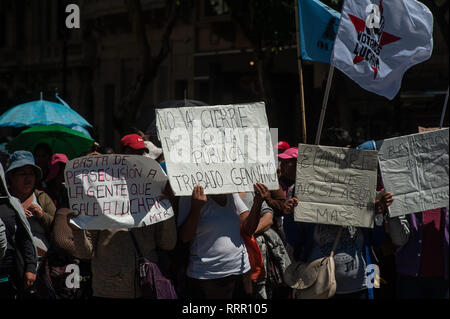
x: 23, y: 158
x: 369, y: 145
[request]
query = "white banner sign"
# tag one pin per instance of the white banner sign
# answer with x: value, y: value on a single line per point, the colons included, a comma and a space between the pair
x: 223, y: 148
x: 414, y: 169
x: 335, y: 186
x: 116, y: 191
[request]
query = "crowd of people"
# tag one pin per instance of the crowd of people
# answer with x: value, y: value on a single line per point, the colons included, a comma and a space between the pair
x: 227, y: 246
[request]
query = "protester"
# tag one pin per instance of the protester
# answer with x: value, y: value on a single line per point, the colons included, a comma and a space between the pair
x: 281, y: 147
x: 18, y: 266
x: 313, y: 241
x: 136, y: 145
x: 256, y: 258
x: 384, y: 253
x: 114, y: 258
x: 218, y: 264
x: 267, y: 282
x: 22, y: 176
x: 288, y: 166
x: 51, y: 279
x: 113, y: 254
x: 133, y: 144
x: 55, y: 180
x: 422, y: 256
x: 286, y: 178
x: 42, y: 155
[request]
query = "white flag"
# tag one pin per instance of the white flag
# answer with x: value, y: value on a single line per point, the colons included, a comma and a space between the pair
x: 379, y: 40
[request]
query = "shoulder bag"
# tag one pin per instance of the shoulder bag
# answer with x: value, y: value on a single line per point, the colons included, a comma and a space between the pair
x: 314, y: 280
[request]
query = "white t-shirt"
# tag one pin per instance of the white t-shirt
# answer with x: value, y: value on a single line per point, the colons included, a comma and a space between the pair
x: 218, y: 249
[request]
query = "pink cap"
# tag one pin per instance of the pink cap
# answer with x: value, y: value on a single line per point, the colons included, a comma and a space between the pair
x: 54, y: 167
x: 289, y: 153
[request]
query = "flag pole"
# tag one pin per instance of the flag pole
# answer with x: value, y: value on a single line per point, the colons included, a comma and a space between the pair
x: 443, y: 110
x: 300, y: 73
x: 324, y: 104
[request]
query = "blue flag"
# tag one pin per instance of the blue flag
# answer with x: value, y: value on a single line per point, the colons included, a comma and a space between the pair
x: 318, y: 25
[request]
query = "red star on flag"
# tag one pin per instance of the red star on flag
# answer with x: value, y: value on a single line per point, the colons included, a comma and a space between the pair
x: 386, y: 38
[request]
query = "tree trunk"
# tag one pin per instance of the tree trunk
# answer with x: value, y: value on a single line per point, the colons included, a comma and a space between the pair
x: 266, y: 87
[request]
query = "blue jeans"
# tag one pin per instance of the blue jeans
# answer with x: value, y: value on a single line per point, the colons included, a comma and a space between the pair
x: 422, y: 287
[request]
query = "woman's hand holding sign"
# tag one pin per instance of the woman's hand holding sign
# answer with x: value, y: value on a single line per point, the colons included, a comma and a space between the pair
x: 382, y: 203
x: 262, y: 193
x: 198, y: 197
x: 289, y: 205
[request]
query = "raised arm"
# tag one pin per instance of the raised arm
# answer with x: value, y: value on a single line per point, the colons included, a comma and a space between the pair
x: 251, y: 220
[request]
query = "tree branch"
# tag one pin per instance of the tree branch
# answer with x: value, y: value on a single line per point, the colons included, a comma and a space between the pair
x: 132, y: 103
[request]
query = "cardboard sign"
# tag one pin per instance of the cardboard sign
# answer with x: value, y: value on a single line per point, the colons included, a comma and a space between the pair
x: 224, y: 148
x: 335, y: 186
x: 422, y: 129
x: 414, y: 169
x: 116, y: 191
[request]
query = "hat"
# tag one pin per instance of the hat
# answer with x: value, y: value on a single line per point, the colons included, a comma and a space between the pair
x: 289, y: 153
x: 282, y: 145
x: 153, y: 151
x: 54, y: 167
x: 134, y: 141
x: 23, y: 158
x: 369, y: 145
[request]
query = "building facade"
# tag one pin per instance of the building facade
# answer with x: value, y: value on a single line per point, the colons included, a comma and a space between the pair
x: 93, y: 68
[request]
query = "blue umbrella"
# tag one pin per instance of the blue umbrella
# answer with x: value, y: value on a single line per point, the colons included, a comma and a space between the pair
x: 42, y: 112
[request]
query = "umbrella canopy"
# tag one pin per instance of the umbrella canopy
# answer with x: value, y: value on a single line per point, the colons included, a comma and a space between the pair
x: 42, y: 112
x: 61, y: 139
x: 82, y: 130
x: 149, y: 116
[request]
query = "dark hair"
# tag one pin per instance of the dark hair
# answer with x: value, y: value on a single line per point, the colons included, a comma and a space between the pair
x: 45, y: 147
x: 336, y: 136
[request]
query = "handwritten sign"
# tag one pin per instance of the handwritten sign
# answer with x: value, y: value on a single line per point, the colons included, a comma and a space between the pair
x: 335, y: 186
x: 116, y: 191
x: 223, y: 148
x: 414, y: 169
